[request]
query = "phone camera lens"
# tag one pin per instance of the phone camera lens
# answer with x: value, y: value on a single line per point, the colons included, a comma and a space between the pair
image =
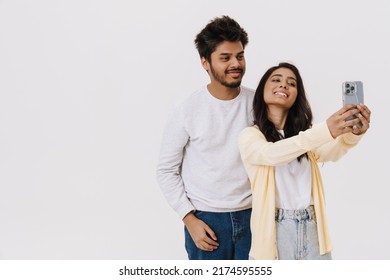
x: 347, y: 85
x: 352, y: 88
x: 348, y: 91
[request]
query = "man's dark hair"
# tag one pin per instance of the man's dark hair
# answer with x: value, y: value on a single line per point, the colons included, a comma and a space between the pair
x: 216, y: 31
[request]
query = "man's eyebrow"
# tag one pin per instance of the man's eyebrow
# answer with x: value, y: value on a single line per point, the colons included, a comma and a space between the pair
x: 225, y: 53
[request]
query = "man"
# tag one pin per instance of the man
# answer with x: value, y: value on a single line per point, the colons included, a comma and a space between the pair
x: 200, y: 170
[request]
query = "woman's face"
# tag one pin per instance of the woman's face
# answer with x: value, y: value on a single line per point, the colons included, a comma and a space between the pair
x: 280, y: 90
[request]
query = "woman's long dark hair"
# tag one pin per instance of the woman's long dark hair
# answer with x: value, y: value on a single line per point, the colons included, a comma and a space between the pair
x: 299, y: 116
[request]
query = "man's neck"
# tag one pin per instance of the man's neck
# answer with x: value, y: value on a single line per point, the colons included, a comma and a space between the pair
x: 222, y: 92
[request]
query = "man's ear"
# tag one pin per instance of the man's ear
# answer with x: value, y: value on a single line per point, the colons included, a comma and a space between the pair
x: 205, y: 64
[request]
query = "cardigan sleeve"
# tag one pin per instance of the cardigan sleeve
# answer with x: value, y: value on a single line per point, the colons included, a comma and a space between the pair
x: 334, y: 150
x: 256, y: 150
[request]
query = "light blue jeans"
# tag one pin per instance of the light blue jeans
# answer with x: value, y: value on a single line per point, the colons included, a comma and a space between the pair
x: 297, y: 236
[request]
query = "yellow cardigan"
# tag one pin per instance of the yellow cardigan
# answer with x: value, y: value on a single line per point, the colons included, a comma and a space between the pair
x: 260, y: 156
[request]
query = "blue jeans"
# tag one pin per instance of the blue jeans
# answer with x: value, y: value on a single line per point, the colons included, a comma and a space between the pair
x: 233, y: 232
x: 297, y: 236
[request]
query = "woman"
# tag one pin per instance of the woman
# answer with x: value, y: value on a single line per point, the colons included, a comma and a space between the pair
x: 280, y: 153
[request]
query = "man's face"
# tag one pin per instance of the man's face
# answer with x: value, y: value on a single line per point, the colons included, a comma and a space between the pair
x: 227, y: 65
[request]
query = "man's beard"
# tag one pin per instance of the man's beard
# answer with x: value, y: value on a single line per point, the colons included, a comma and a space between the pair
x: 221, y: 79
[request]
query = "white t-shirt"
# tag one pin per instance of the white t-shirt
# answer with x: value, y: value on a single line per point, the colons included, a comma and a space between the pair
x: 293, y: 184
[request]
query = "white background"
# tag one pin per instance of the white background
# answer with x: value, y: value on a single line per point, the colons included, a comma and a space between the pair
x: 85, y: 89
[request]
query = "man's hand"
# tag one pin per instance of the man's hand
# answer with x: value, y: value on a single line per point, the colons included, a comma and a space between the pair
x: 202, y: 235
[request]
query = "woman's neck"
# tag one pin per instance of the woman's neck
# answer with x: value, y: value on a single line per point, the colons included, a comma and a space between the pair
x: 278, y: 117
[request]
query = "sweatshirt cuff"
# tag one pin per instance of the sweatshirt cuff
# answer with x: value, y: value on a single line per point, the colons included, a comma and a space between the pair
x: 184, y: 209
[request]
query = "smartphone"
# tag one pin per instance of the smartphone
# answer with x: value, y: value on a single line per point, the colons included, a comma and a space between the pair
x: 353, y: 94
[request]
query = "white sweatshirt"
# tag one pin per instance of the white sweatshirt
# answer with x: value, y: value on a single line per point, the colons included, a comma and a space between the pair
x: 200, y: 167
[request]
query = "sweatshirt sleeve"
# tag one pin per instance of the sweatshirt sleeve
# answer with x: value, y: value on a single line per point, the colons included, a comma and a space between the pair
x: 169, y: 164
x: 256, y: 150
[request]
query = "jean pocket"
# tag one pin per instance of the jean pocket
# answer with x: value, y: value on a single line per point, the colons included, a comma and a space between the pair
x: 198, y: 213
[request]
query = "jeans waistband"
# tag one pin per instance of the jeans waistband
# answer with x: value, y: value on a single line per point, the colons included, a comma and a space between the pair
x: 299, y: 215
